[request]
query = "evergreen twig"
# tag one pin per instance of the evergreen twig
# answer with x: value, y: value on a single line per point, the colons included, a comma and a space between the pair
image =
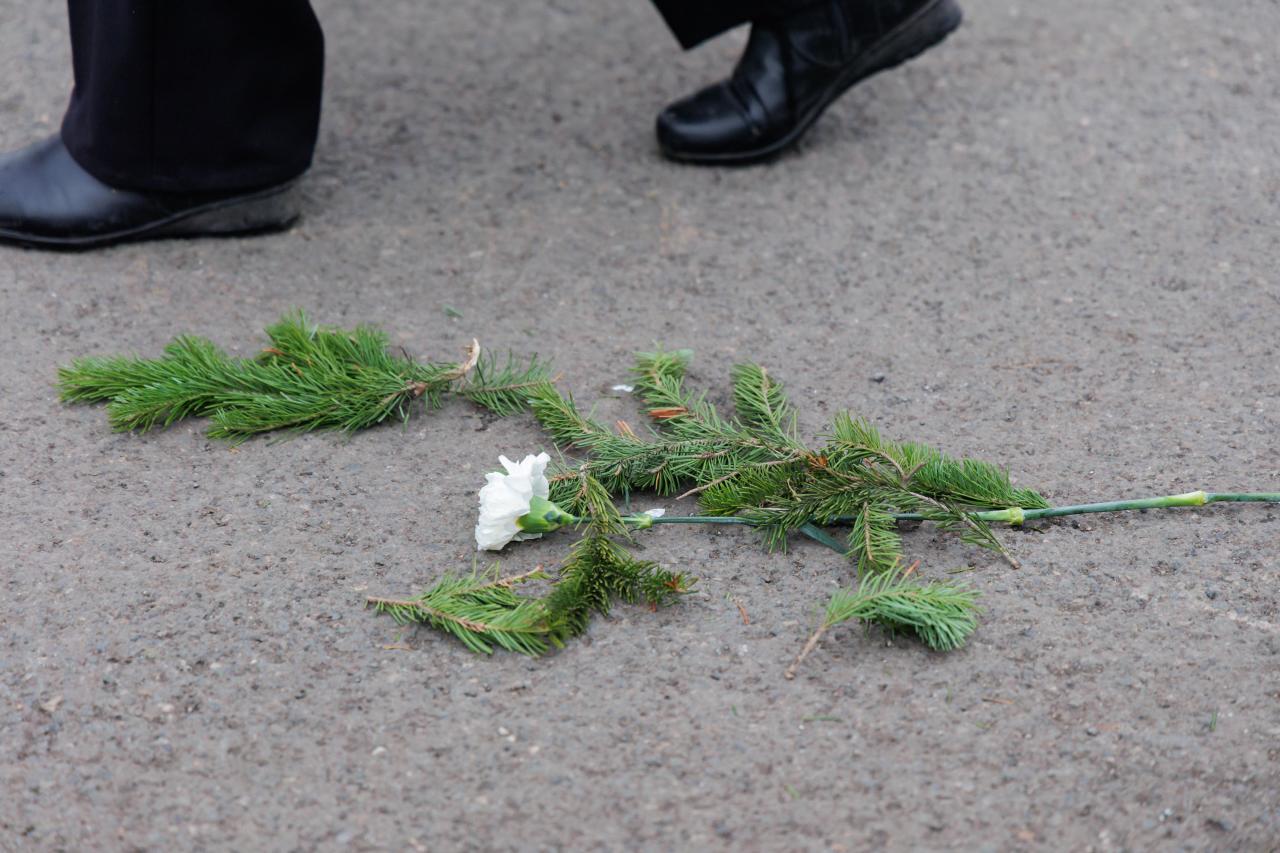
x: 480, y: 610
x: 309, y: 377
x: 942, y: 616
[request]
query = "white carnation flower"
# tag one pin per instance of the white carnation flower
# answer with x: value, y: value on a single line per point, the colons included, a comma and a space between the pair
x: 507, y: 499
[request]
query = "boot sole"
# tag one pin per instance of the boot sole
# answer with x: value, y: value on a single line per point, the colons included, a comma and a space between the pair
x: 926, y: 28
x: 264, y: 211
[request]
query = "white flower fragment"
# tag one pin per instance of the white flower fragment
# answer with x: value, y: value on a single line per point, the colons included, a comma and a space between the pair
x: 644, y: 520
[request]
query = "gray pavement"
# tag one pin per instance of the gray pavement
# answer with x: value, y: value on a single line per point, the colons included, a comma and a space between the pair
x: 1056, y: 238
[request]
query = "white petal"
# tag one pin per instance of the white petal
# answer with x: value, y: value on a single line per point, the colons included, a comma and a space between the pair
x: 492, y: 535
x: 538, y: 484
x: 499, y: 500
x: 655, y: 513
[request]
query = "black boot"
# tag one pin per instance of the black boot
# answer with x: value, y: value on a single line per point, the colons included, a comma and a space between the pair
x: 793, y: 68
x: 47, y: 200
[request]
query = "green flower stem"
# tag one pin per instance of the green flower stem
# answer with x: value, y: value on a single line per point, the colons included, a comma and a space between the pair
x: 1016, y: 516
x: 1013, y: 516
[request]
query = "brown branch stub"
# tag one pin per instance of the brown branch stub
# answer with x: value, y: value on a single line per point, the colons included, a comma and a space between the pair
x: 790, y: 674
x: 468, y: 363
x: 391, y: 602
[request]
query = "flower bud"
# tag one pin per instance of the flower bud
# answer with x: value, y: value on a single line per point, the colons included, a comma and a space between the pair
x: 543, y: 517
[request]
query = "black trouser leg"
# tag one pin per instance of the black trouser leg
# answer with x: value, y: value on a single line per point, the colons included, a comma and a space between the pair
x: 194, y: 95
x: 695, y: 21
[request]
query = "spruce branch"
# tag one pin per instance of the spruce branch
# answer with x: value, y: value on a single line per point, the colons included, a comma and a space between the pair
x: 600, y: 571
x: 308, y: 377
x: 942, y: 616
x: 481, y: 610
x: 762, y: 405
x: 505, y: 389
x: 755, y: 467
x: 874, y: 541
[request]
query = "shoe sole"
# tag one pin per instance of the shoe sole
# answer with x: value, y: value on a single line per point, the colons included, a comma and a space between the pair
x: 926, y: 28
x: 261, y: 212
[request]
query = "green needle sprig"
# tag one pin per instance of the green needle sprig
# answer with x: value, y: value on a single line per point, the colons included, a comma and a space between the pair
x: 308, y: 377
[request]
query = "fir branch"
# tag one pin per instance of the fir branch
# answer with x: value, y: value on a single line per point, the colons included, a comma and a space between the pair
x: 588, y: 583
x: 757, y: 469
x: 598, y: 572
x: 578, y: 493
x: 972, y: 529
x: 98, y: 379
x: 874, y: 541
x: 505, y: 389
x: 568, y: 427
x: 749, y: 486
x: 659, y: 378
x: 942, y: 616
x: 309, y: 377
x: 762, y: 405
x: 480, y: 610
x: 971, y: 483
x: 187, y: 382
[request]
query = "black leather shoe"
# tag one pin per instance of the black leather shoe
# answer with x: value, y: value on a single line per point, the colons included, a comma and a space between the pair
x: 48, y: 201
x: 793, y: 68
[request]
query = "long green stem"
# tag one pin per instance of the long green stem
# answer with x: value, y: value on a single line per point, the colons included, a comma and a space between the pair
x: 1012, y: 516
x: 1017, y: 516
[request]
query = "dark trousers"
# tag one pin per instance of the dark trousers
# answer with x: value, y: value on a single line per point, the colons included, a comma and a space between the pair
x: 221, y: 95
x: 695, y: 22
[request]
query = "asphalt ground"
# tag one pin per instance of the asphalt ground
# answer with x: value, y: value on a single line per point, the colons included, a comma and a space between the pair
x: 1051, y: 242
